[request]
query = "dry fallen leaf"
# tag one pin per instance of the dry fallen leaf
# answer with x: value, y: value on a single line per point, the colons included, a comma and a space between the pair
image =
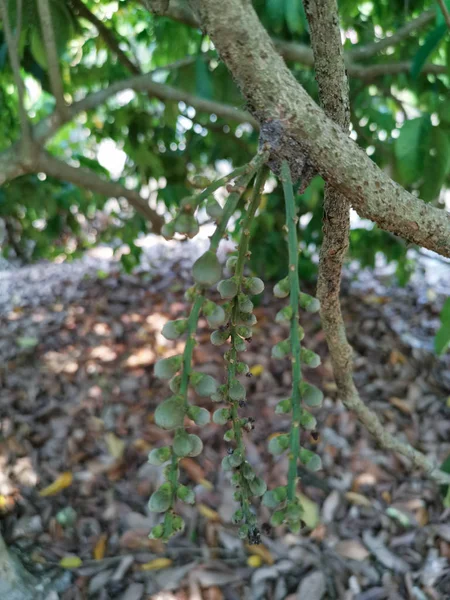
x: 208, y: 513
x: 352, y: 549
x: 254, y: 561
x: 261, y: 551
x: 257, y: 370
x: 116, y: 446
x: 100, y: 547
x: 403, y: 405
x: 70, y: 562
x: 61, y: 483
x: 158, y: 563
x: 358, y: 499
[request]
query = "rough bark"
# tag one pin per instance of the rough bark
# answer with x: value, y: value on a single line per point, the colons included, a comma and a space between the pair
x: 334, y: 97
x: 273, y: 95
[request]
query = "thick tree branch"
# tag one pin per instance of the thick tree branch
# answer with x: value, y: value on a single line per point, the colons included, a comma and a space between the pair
x: 106, y: 34
x: 334, y: 96
x: 48, y: 35
x: 301, y: 53
x: 277, y: 99
x: 87, y: 179
x: 12, y: 41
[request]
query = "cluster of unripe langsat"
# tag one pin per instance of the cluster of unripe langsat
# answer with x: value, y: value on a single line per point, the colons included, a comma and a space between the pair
x: 232, y: 323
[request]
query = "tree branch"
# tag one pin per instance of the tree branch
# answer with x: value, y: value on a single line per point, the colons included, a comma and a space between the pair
x: 12, y: 41
x: 277, y: 99
x: 303, y: 54
x: 334, y: 96
x: 48, y: 35
x: 87, y: 179
x: 445, y: 12
x: 107, y: 35
x: 369, y: 50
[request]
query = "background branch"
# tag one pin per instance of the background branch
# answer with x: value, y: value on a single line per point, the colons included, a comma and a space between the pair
x: 445, y: 12
x: 331, y: 78
x: 12, y: 41
x: 48, y: 36
x: 87, y: 179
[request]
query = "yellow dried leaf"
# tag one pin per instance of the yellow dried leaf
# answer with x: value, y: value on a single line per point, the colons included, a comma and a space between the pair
x: 310, y: 514
x: 259, y: 550
x: 116, y: 446
x: 100, y: 547
x: 208, y: 513
x: 358, y: 499
x: 257, y: 370
x: 158, y: 563
x: 254, y: 561
x: 61, y: 483
x: 70, y: 562
x: 206, y: 484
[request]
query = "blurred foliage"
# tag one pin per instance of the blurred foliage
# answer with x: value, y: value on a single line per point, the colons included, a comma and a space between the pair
x: 401, y: 120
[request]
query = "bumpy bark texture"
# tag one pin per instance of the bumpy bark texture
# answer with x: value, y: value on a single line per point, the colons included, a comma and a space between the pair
x: 273, y: 94
x: 334, y: 96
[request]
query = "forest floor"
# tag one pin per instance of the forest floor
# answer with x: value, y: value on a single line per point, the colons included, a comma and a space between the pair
x: 77, y: 351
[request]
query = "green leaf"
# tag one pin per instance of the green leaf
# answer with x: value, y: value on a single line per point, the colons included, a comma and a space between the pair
x: 431, y: 42
x: 442, y: 338
x: 203, y: 81
x: 436, y: 164
x: 294, y: 17
x: 409, y: 149
x: 276, y: 12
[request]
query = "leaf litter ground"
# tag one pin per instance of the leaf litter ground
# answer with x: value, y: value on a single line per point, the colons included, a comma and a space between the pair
x: 78, y: 347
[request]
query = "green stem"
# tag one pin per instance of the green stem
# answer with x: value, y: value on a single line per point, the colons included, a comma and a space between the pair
x: 291, y: 222
x: 233, y: 199
x: 190, y: 345
x: 215, y: 185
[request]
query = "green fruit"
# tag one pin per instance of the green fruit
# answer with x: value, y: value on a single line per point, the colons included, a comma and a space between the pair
x: 282, y: 289
x: 229, y: 435
x: 236, y: 459
x: 244, y: 331
x: 196, y: 445
x: 221, y: 416
x: 175, y: 384
x: 242, y: 368
x: 185, y: 494
x: 237, y: 516
x: 221, y: 395
x: 199, y: 415
x: 200, y: 181
x: 168, y: 230
x: 186, y: 224
x: 294, y: 512
x: 254, y: 285
x: 281, y: 350
x: 227, y: 288
x: 275, y: 497
x: 245, y: 304
x: 207, y: 270
x: 161, y: 500
x: 311, y: 395
x: 311, y: 460
x: 181, y: 443
x: 307, y: 421
x: 159, y: 456
x: 248, y: 472
x: 177, y: 524
x: 172, y: 330
x: 240, y: 345
x: 219, y: 337
x: 213, y: 209
x: 215, y: 314
x: 157, y: 532
x: 284, y: 315
x: 243, y: 531
x: 170, y: 414
x: 247, y: 319
x: 309, y: 303
x: 284, y: 407
x: 237, y: 390
x: 231, y: 263
x: 278, y: 444
x: 204, y: 385
x: 226, y: 463
x: 277, y: 518
x: 166, y: 368
x: 310, y: 358
x: 258, y: 486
